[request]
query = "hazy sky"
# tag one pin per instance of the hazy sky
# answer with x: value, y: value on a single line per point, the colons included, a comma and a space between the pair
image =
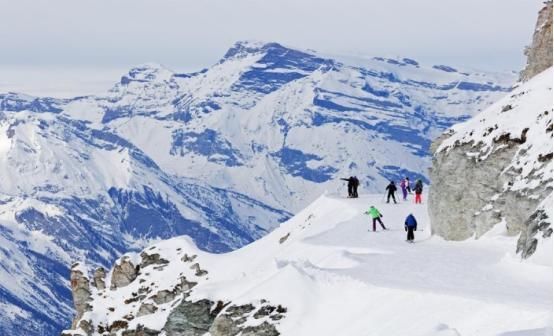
x: 56, y: 42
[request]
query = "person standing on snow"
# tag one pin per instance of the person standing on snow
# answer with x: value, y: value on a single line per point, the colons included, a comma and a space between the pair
x: 376, y: 216
x: 404, y: 189
x: 410, y: 225
x: 418, y: 191
x: 408, y: 187
x: 350, y: 181
x: 355, y: 184
x: 391, y: 188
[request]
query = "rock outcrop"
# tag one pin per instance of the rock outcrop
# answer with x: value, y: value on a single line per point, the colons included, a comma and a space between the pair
x: 81, y: 291
x: 539, y: 53
x: 496, y: 168
x: 124, y: 273
x: 537, y: 227
x: 151, y: 294
x: 99, y: 279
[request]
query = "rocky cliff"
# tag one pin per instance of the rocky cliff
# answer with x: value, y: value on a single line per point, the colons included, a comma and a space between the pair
x: 151, y: 294
x: 496, y: 168
x: 539, y: 53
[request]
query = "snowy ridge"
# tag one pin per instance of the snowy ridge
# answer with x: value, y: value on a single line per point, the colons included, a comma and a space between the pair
x: 331, y: 276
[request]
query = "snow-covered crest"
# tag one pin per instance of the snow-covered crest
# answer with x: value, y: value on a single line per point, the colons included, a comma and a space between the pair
x: 331, y: 276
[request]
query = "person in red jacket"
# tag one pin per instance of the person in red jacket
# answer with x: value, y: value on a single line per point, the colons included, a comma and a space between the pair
x: 418, y: 191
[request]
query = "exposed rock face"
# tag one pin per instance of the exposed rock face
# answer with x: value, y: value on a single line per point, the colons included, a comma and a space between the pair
x: 152, y: 259
x: 190, y: 319
x: 80, y: 289
x: 124, y: 273
x: 463, y: 187
x: 99, y: 279
x: 155, y: 297
x: 539, y: 53
x: 538, y: 226
x: 496, y: 169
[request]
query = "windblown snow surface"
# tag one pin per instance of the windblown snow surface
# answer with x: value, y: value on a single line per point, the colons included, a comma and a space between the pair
x: 337, y: 278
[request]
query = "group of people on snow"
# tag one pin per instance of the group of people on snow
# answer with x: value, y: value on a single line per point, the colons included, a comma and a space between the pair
x: 410, y: 224
x: 353, y: 184
x: 406, y: 189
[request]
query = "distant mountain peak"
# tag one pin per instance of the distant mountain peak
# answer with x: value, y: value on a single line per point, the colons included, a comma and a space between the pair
x: 147, y: 72
x: 251, y: 47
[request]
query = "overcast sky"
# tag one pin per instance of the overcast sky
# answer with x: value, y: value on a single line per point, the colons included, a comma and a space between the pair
x: 79, y: 45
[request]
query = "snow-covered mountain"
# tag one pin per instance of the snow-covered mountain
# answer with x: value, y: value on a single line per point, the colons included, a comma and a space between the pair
x: 322, y: 273
x: 243, y: 124
x: 222, y: 155
x: 71, y: 192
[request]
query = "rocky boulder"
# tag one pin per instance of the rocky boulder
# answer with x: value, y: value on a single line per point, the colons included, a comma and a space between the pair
x: 124, y: 273
x: 80, y: 289
x: 496, y: 168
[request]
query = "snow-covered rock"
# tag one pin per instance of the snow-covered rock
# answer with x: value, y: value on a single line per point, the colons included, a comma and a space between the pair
x: 496, y: 167
x: 322, y: 273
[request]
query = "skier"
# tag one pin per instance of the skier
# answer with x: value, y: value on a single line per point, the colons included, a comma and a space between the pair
x: 410, y: 225
x: 350, y: 181
x: 408, y: 187
x: 404, y: 189
x: 355, y: 185
x: 376, y: 216
x: 391, y: 188
x: 418, y: 190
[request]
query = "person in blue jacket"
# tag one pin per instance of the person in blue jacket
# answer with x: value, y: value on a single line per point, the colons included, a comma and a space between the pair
x: 410, y: 225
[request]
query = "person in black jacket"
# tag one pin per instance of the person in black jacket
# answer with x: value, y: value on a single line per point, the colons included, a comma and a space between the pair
x: 350, y: 181
x: 355, y: 184
x: 391, y: 189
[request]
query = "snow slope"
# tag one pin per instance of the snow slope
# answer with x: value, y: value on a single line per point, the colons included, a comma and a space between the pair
x: 334, y: 277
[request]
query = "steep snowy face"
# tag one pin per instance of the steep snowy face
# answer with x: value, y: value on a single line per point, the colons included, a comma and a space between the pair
x: 497, y: 169
x: 320, y: 273
x: 281, y: 124
x: 70, y: 192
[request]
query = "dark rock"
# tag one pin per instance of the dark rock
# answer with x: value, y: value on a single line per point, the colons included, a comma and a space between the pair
x: 124, y: 273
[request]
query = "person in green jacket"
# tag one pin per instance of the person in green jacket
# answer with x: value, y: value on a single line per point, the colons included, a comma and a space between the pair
x: 376, y: 216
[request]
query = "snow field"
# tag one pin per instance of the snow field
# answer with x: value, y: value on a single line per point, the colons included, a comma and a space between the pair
x: 337, y: 278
